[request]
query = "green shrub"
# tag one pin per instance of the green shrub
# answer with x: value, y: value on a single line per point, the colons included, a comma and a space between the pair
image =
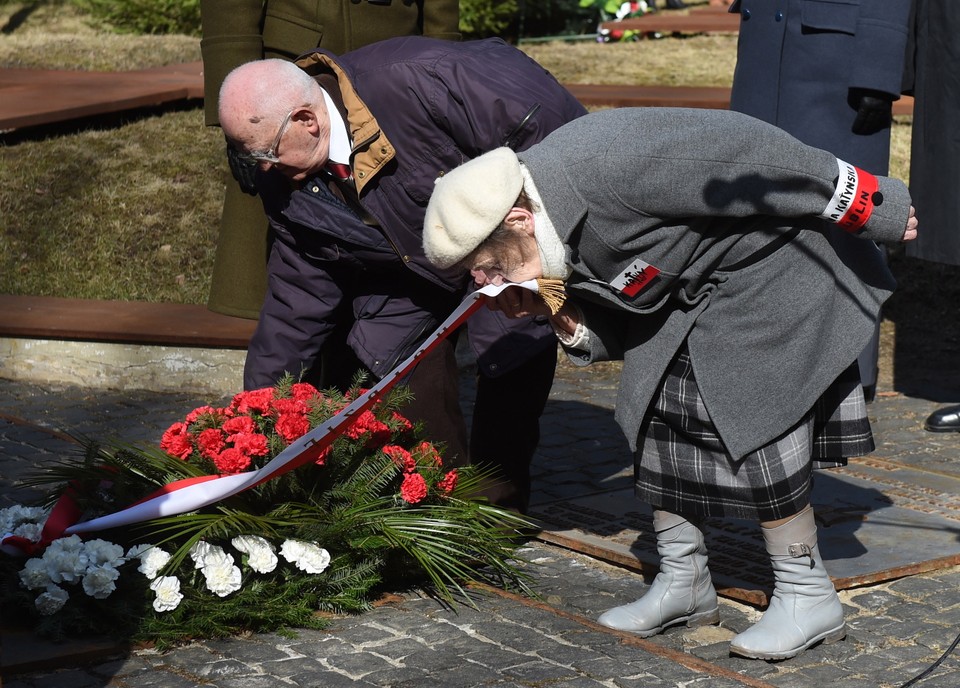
x: 484, y: 18
x: 161, y: 17
x: 539, y: 18
x: 516, y: 19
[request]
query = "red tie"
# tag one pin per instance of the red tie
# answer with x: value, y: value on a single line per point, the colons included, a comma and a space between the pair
x: 339, y: 170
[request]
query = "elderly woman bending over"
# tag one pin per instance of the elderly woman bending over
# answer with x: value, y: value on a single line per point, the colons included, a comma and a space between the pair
x: 698, y: 246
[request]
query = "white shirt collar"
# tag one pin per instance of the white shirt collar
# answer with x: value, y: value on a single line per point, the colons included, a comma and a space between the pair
x: 339, y: 139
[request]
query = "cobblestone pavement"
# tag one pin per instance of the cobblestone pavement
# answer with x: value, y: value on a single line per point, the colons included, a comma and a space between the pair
x: 897, y: 629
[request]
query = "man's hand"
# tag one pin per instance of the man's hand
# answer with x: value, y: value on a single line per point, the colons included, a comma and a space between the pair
x: 910, y: 233
x: 874, y: 110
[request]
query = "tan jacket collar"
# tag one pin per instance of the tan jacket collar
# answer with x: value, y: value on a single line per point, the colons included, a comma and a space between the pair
x: 371, y: 148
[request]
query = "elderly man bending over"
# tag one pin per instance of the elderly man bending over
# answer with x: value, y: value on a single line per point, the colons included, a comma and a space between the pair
x: 344, y: 152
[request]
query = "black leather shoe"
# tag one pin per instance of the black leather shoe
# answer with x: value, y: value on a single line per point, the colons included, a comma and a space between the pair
x: 945, y: 420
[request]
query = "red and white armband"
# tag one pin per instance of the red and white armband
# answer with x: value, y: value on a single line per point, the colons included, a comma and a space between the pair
x: 854, y: 198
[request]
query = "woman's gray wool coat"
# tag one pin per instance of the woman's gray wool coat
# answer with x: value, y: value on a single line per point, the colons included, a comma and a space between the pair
x: 694, y: 193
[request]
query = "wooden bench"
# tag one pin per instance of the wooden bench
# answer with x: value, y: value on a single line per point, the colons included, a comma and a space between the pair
x: 122, y: 322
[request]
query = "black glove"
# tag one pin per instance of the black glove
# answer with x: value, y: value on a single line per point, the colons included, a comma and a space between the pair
x: 874, y: 110
x: 243, y: 170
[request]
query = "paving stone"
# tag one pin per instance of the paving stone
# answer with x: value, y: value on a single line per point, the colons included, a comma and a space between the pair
x: 467, y: 673
x: 949, y: 614
x: 874, y: 624
x: 645, y: 681
x: 324, y: 679
x: 164, y: 679
x: 864, y: 663
x: 937, y: 639
x: 357, y: 665
x: 917, y: 588
x: 538, y: 671
x: 942, y: 677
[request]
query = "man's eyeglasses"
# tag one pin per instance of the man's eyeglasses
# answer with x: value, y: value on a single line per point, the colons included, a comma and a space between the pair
x: 269, y: 155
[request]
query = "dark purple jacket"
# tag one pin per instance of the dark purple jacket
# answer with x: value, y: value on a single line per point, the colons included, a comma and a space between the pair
x: 416, y: 108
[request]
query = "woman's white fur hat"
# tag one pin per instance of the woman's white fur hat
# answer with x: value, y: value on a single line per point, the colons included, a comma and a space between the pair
x: 468, y: 203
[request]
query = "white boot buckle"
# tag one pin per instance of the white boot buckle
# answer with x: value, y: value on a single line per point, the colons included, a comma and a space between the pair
x: 800, y: 549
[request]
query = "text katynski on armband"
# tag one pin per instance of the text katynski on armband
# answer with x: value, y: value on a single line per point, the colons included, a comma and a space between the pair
x: 854, y: 199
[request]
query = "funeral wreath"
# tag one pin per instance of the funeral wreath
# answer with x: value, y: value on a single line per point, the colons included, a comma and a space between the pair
x: 375, y: 510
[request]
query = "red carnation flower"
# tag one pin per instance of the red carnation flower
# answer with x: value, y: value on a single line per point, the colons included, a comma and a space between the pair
x: 401, y: 457
x: 292, y: 426
x: 176, y: 441
x: 402, y: 424
x: 282, y: 406
x: 251, y: 443
x: 427, y: 452
x: 303, y: 391
x: 211, y: 442
x: 449, y: 482
x: 414, y: 488
x: 200, y: 411
x: 366, y: 422
x: 239, y: 424
x: 257, y: 400
x: 231, y: 461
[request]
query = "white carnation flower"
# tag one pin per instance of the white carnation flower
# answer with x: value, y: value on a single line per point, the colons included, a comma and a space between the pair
x: 52, y: 600
x: 35, y: 574
x: 100, y: 552
x: 100, y: 581
x: 28, y: 531
x: 152, y: 560
x: 65, y: 559
x: 168, y: 593
x: 261, y: 555
x: 136, y: 551
x: 14, y: 516
x: 201, y: 550
x: 221, y: 575
x: 306, y: 556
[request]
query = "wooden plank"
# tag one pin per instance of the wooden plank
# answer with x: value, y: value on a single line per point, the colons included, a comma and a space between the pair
x: 26, y: 100
x: 627, y: 95
x: 131, y: 322
x: 668, y: 22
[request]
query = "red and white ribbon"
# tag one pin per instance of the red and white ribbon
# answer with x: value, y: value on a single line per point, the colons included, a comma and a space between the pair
x: 195, y: 493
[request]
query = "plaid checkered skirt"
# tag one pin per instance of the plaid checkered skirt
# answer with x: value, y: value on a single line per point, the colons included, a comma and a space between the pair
x: 681, y: 464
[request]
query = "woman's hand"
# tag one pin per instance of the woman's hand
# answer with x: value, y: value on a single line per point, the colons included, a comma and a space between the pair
x: 910, y: 233
x: 517, y: 302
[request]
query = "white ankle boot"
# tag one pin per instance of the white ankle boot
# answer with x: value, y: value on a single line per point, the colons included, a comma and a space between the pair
x: 804, y: 608
x: 682, y: 592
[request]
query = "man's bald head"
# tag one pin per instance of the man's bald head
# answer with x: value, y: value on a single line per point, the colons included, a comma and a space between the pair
x: 257, y: 97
